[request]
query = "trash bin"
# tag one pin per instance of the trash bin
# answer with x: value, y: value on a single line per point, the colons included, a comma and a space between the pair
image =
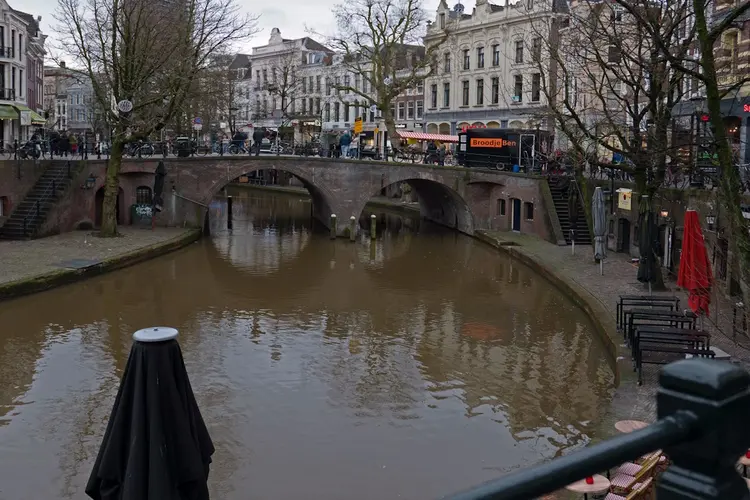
x: 183, y: 147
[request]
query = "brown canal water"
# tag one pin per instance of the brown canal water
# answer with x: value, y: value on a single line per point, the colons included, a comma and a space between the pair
x: 409, y: 368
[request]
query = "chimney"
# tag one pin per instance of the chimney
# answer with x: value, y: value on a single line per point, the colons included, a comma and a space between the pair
x: 62, y: 64
x: 39, y: 19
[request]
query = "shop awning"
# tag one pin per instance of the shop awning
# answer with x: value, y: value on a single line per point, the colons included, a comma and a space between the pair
x: 7, y: 112
x: 421, y: 136
x: 37, y: 119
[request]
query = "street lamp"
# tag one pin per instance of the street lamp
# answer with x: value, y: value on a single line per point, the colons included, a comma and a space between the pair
x: 89, y: 182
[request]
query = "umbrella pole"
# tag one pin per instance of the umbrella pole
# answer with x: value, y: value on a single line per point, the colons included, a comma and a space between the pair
x: 601, y: 267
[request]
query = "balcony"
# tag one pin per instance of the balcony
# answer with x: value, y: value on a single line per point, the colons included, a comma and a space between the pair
x: 7, y: 52
x: 702, y: 408
x: 7, y: 94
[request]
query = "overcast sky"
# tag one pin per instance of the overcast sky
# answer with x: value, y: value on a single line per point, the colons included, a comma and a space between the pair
x: 290, y: 16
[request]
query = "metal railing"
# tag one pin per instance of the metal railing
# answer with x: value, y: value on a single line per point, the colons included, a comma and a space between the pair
x: 49, y: 194
x: 7, y: 94
x: 7, y: 52
x: 703, y: 409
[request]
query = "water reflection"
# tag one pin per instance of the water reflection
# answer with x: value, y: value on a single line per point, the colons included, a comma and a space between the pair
x: 409, y: 367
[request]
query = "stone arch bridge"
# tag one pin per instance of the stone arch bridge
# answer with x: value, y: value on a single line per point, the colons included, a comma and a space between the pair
x: 460, y: 198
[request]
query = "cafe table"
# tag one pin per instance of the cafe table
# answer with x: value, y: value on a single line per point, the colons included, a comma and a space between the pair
x: 600, y: 485
x: 626, y: 426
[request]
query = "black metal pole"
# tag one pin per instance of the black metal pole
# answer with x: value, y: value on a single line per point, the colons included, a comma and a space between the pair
x: 229, y: 212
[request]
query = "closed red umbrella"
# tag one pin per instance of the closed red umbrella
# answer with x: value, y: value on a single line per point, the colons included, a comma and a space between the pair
x: 695, y: 274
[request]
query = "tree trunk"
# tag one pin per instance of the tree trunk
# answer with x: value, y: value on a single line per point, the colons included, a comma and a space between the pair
x: 730, y: 185
x: 111, y: 188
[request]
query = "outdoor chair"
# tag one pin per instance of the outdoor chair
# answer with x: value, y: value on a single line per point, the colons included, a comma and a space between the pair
x: 624, y: 484
x: 641, y: 491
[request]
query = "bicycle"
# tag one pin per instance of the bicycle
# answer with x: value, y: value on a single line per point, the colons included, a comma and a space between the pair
x: 141, y: 150
x: 202, y: 149
x: 235, y: 149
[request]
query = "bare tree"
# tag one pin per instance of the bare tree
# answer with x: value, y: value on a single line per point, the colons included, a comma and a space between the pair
x: 149, y: 53
x: 285, y: 86
x: 380, y: 41
x: 612, y: 91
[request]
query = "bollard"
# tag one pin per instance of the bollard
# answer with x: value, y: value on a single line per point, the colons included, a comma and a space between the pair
x: 229, y: 212
x: 373, y: 226
x: 333, y: 226
x: 352, y: 228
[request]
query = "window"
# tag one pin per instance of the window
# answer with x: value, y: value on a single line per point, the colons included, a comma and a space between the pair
x: 446, y: 63
x: 143, y: 195
x: 346, y: 112
x: 310, y: 102
x: 480, y: 92
x: 364, y: 85
x: 336, y: 111
x: 346, y: 81
x: 536, y: 49
x: 265, y: 76
x: 328, y: 112
x: 433, y: 96
x: 495, y: 90
x: 420, y: 88
x: 441, y: 20
x: 528, y: 209
x: 304, y: 107
x: 519, y: 51
x: 496, y: 55
x: 304, y: 86
x: 446, y: 94
x: 518, y: 88
x: 410, y: 110
x: 617, y: 15
x: 420, y: 109
x: 465, y: 93
x: 317, y: 105
x: 357, y: 80
x: 317, y: 83
x: 393, y: 110
x: 467, y: 59
x: 20, y: 46
x: 500, y: 206
x: 731, y: 48
x: 536, y: 87
x: 328, y: 86
x: 337, y: 85
x: 614, y: 54
x: 401, y: 109
x: 480, y: 57
x: 20, y: 81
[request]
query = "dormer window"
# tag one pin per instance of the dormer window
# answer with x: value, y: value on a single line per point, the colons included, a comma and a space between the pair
x: 441, y: 21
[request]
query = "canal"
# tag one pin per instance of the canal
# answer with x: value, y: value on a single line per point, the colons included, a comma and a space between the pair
x: 408, y: 368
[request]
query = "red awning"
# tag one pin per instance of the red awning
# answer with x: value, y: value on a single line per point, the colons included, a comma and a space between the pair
x: 421, y: 136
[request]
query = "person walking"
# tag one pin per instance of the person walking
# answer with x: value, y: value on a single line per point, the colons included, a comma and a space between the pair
x: 63, y: 144
x: 73, y: 141
x: 258, y: 135
x: 344, y: 142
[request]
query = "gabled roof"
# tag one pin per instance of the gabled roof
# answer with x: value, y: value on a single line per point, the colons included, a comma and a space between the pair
x: 32, y: 25
x: 240, y: 61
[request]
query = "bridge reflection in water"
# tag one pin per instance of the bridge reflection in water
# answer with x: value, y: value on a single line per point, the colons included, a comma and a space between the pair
x: 413, y: 367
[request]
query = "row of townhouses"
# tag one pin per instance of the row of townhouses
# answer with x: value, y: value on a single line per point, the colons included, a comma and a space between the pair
x: 492, y: 68
x: 21, y: 74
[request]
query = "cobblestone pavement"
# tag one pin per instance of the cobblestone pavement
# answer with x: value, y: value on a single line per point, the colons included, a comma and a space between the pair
x: 629, y: 400
x: 21, y: 260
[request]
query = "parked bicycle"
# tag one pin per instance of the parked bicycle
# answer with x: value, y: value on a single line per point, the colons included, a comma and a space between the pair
x: 236, y: 149
x: 140, y: 150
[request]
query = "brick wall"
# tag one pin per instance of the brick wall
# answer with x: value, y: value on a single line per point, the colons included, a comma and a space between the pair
x: 13, y: 188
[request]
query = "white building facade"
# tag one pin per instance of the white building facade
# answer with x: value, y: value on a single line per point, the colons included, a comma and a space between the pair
x: 287, y: 84
x: 489, y: 67
x: 15, y: 116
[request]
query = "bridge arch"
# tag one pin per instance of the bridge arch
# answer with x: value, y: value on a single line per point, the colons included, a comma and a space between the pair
x: 437, y: 202
x: 323, y: 201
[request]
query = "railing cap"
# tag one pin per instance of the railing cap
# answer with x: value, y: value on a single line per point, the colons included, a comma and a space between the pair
x: 710, y: 379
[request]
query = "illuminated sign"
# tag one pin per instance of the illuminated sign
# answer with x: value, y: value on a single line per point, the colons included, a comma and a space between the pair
x: 705, y: 118
x: 746, y: 108
x: 482, y: 142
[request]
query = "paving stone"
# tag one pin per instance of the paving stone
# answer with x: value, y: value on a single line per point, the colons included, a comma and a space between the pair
x: 20, y: 260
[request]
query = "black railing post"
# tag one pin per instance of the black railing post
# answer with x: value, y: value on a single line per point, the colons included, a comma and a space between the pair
x: 85, y: 149
x: 15, y: 148
x: 68, y: 167
x: 54, y: 187
x: 703, y: 466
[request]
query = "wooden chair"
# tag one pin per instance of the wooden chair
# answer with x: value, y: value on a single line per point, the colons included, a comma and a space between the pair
x: 623, y: 484
x: 642, y: 491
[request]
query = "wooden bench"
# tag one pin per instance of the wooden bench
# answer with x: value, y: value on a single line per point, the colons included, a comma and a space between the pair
x: 637, y: 317
x: 642, y: 300
x: 699, y: 339
x: 661, y: 348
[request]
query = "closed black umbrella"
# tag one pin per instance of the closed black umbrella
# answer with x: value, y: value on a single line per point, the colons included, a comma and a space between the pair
x: 648, y: 242
x: 159, y: 175
x: 156, y: 446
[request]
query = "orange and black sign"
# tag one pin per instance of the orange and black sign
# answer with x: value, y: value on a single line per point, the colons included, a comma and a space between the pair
x: 486, y: 142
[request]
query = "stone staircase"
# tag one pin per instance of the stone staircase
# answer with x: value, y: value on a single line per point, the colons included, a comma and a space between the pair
x: 29, y: 215
x: 559, y: 188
